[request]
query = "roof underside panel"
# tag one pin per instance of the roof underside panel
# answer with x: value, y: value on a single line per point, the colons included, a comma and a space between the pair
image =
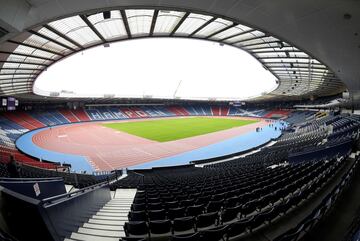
x: 213, y: 27
x: 166, y: 22
x: 139, y: 21
x: 25, y: 56
x: 111, y: 28
x: 76, y: 29
x: 192, y: 23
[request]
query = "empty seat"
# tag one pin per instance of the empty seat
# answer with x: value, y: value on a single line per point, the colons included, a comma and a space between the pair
x: 207, y: 220
x: 157, y: 214
x: 183, y: 225
x: 138, y: 207
x: 231, y: 202
x: 137, y: 216
x: 182, y: 197
x: 237, y: 228
x: 203, y: 200
x: 259, y: 219
x: 218, y: 197
x: 176, y: 212
x: 154, y: 199
x: 154, y: 206
x: 214, y: 234
x: 229, y: 214
x: 214, y: 206
x: 195, y: 210
x: 160, y: 227
x: 136, y: 229
x: 187, y: 202
x: 248, y: 208
x: 168, y: 198
x: 173, y: 204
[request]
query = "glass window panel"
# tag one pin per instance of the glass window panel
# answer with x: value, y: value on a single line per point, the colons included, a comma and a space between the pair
x: 11, y: 90
x: 66, y: 25
x: 32, y: 66
x: 238, y: 29
x: 14, y: 57
x: 18, y: 71
x: 10, y: 65
x: 257, y: 33
x: 9, y: 86
x: 32, y: 51
x: 7, y: 71
x: 266, y: 49
x: 243, y: 27
x: 191, y: 23
x: 43, y: 43
x: 24, y: 50
x: 15, y: 76
x: 258, y: 41
x: 253, y: 41
x: 84, y: 36
x: 274, y: 54
x: 260, y: 46
x: 11, y: 83
x: 213, y: 27
x: 18, y: 58
x: 139, y: 21
x: 239, y: 38
x: 52, y: 35
x: 76, y: 29
x: 2, y: 77
x: 166, y: 22
x: 298, y: 55
x: 45, y: 54
x: 112, y: 28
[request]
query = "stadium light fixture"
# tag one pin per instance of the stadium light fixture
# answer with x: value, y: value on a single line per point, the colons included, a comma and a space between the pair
x: 107, y: 15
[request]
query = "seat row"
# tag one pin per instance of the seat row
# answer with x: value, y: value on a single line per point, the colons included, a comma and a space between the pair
x: 235, y: 218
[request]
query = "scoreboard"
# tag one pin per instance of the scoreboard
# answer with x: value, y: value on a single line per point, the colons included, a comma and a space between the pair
x: 10, y: 103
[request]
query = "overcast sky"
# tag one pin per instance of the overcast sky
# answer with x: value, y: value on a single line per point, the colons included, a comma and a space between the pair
x: 156, y: 66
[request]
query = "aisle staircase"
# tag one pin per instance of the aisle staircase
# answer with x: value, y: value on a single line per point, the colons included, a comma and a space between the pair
x: 108, y: 223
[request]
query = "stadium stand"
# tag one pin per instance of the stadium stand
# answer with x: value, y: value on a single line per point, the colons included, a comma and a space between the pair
x: 225, y: 198
x: 301, y: 185
x: 69, y: 115
x: 239, y: 195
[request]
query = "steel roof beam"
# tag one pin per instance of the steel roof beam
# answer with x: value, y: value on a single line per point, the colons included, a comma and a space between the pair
x: 35, y: 47
x: 179, y: 23
x: 202, y: 26
x: 26, y: 55
x: 221, y: 30
x: 52, y: 40
x: 237, y: 34
x: 126, y: 23
x: 153, y: 22
x: 63, y: 36
x: 20, y: 62
x: 92, y: 27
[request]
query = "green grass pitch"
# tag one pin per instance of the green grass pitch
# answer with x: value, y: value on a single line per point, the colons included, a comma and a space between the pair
x: 173, y: 129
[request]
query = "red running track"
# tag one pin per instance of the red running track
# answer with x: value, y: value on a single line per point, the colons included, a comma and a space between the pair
x: 108, y: 149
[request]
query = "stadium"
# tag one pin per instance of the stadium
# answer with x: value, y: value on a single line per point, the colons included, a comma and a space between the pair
x: 179, y: 120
